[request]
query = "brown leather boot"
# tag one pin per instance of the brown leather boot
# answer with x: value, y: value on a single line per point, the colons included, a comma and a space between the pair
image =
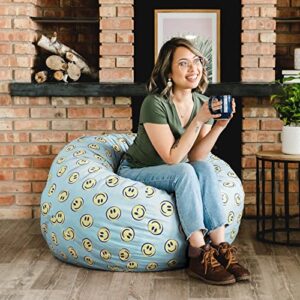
x: 203, y: 265
x: 226, y: 256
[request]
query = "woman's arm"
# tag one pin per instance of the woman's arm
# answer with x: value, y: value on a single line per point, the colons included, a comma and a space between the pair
x: 173, y: 151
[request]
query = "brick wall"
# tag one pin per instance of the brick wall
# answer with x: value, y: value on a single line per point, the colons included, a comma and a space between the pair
x: 33, y: 130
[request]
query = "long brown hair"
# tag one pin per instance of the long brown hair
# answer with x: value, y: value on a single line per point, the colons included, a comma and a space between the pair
x: 162, y: 68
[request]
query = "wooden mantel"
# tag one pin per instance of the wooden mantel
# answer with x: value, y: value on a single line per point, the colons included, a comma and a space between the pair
x: 237, y: 89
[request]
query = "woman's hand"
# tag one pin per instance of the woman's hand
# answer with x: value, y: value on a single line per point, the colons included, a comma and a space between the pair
x: 204, y: 113
x: 225, y: 122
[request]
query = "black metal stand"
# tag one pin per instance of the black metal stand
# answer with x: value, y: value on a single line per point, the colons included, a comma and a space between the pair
x: 285, y: 228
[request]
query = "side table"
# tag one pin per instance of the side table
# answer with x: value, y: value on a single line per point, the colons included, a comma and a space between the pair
x: 271, y: 227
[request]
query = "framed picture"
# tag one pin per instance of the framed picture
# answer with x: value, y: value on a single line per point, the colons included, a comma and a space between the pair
x: 201, y: 26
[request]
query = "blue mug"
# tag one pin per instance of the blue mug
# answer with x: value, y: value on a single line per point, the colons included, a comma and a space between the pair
x: 226, y: 109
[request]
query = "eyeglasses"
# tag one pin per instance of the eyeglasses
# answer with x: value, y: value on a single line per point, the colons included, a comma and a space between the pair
x: 185, y: 64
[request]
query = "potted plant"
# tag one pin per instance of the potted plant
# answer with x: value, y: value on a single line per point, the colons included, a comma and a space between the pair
x: 287, y: 104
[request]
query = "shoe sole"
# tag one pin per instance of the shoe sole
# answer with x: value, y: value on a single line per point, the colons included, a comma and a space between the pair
x: 243, y: 278
x: 226, y: 282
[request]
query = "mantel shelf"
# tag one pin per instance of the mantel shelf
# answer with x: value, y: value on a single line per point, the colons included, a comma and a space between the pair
x: 95, y: 89
x: 287, y: 19
x: 73, y: 20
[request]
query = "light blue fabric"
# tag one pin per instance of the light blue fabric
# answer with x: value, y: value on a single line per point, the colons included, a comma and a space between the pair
x: 92, y: 217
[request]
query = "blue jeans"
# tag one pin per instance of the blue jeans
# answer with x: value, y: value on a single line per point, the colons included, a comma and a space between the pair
x: 198, y: 198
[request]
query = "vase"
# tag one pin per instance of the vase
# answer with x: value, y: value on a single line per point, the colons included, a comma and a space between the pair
x: 290, y: 138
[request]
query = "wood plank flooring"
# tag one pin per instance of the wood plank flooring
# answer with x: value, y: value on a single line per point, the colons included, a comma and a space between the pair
x: 29, y: 271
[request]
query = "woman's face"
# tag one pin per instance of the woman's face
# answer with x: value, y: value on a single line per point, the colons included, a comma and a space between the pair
x: 186, y: 69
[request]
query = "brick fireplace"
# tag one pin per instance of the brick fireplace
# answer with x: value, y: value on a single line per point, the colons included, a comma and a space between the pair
x: 34, y: 129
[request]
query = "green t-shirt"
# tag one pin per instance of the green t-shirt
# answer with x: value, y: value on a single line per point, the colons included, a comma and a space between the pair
x: 158, y: 110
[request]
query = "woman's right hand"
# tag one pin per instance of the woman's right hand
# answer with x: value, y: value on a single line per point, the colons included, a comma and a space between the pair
x: 204, y: 113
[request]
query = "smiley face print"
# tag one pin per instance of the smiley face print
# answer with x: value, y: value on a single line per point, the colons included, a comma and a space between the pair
x: 69, y: 148
x: 54, y: 238
x: 117, y: 148
x: 61, y: 171
x: 103, y: 234
x: 130, y: 192
x: 86, y: 221
x: 60, y: 160
x: 60, y: 217
x: 94, y: 146
x: 127, y: 234
x: 89, y: 260
x: 69, y: 234
x: 94, y: 169
x: 112, y: 181
x: 150, y: 191
x: 63, y: 196
x: 105, y: 254
x: 138, y: 212
x: 100, y: 198
x: 148, y: 249
x: 113, y: 213
x: 151, y: 266
x: 124, y: 254
x: 82, y: 162
x: 73, y: 252
x: 228, y: 184
x: 52, y: 189
x: 237, y: 199
x: 225, y: 198
x: 79, y: 153
x: 230, y: 217
x: 45, y: 208
x: 166, y: 208
x: 89, y: 184
x: 77, y: 203
x: 155, y: 227
x: 87, y: 245
x: 171, y: 246
x: 132, y: 265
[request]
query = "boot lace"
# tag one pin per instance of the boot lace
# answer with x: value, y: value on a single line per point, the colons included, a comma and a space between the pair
x: 230, y: 254
x: 209, y: 259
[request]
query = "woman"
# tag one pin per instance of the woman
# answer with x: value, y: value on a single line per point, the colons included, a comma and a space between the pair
x: 175, y: 136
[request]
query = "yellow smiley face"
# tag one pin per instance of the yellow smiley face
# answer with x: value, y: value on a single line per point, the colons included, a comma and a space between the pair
x: 69, y: 234
x: 237, y: 199
x: 45, y: 208
x: 108, y: 153
x: 155, y: 227
x: 44, y: 228
x: 63, y: 255
x: 132, y: 265
x: 171, y: 246
x: 103, y: 234
x: 138, y: 212
x: 148, y: 249
x: 88, y: 260
x: 73, y: 177
x: 117, y: 148
x: 60, y: 217
x: 69, y: 148
x: 231, y: 174
x: 230, y: 217
x: 172, y: 263
x: 124, y: 254
x: 127, y: 234
x: 166, y: 208
x: 94, y: 146
x: 73, y: 252
x: 112, y: 181
x: 89, y: 184
x: 101, y: 139
x: 60, y: 160
x: 87, y: 245
x: 228, y: 184
x: 52, y: 189
x: 150, y: 191
x: 77, y: 203
x: 232, y: 234
x: 113, y: 213
x: 151, y: 266
x: 217, y: 168
x: 100, y: 198
x: 79, y: 153
x: 54, y: 238
x: 86, y: 221
x: 53, y: 219
x: 94, y: 169
x: 105, y: 254
x: 130, y: 192
x: 61, y: 171
x: 225, y: 198
x: 63, y: 196
x: 82, y: 162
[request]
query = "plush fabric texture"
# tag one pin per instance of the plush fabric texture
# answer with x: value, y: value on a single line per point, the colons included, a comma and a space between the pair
x: 94, y: 218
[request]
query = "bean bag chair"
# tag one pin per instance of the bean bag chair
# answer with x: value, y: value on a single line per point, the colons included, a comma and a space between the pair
x: 94, y: 218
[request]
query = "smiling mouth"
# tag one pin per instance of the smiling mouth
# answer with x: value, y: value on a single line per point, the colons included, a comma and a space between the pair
x: 192, y: 77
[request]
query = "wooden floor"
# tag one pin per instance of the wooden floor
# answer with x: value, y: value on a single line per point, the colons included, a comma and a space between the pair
x: 29, y: 271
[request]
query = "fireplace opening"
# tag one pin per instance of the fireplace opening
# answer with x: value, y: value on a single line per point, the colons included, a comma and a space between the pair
x: 76, y: 25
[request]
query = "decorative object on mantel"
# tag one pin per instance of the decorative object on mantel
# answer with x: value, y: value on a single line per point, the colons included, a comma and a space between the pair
x: 297, y: 59
x: 291, y: 73
x: 66, y: 63
x: 287, y: 104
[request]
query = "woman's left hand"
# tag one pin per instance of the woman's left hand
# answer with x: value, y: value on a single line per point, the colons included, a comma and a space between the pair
x: 224, y: 122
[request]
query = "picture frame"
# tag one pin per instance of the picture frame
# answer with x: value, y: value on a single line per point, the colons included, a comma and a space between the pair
x: 201, y: 26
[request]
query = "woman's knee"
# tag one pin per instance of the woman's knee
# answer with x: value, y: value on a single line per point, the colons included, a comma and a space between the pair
x: 203, y: 167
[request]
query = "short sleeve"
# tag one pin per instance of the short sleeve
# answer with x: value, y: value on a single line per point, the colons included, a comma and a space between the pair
x: 153, y: 110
